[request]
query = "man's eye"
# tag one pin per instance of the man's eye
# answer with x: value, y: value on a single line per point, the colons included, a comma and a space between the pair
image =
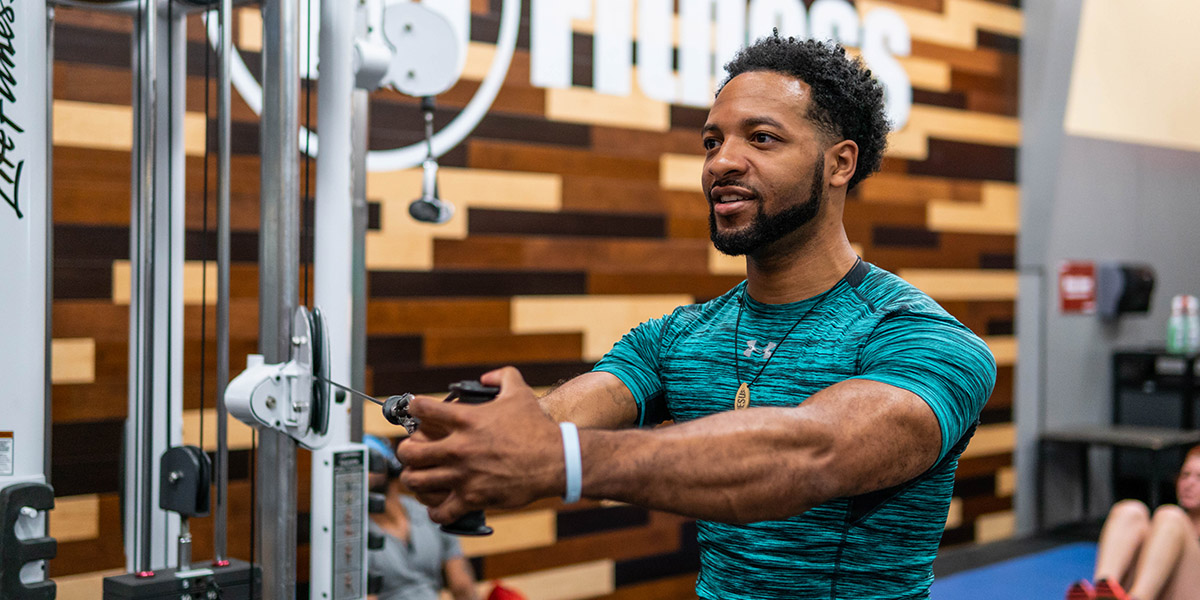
x: 762, y: 138
x: 710, y: 143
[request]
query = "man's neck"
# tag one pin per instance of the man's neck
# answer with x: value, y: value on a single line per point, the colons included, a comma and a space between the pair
x: 802, y: 269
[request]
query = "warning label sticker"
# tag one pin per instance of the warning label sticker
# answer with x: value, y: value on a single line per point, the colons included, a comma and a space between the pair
x: 6, y: 453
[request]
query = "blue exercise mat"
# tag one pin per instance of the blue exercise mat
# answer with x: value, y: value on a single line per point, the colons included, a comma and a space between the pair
x: 1042, y: 576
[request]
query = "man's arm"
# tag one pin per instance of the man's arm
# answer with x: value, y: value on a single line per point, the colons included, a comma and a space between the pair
x: 750, y: 465
x: 769, y: 463
x: 595, y: 400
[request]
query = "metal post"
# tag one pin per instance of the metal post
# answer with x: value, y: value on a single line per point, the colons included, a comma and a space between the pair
x: 359, y: 105
x: 142, y: 263
x: 279, y: 251
x: 223, y: 239
x: 49, y: 238
x: 332, y: 573
x: 156, y: 261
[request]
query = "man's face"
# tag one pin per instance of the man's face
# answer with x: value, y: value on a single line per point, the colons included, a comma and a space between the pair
x: 764, y: 168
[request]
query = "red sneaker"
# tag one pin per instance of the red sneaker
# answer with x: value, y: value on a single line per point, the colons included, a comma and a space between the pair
x: 1081, y: 590
x: 1107, y: 589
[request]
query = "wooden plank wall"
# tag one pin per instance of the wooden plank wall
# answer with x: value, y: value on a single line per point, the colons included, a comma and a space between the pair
x: 579, y: 215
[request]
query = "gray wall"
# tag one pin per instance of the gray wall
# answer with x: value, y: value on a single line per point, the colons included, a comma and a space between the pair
x: 1085, y: 199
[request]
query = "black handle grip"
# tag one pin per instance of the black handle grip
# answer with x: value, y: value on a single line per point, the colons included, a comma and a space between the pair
x: 15, y: 553
x: 470, y: 392
x: 395, y: 410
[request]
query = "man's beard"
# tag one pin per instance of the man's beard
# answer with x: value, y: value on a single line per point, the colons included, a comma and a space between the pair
x: 766, y: 229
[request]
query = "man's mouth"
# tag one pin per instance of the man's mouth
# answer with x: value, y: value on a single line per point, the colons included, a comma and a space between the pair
x: 728, y: 199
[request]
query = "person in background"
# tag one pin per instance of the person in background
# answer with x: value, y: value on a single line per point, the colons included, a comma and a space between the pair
x: 417, y: 559
x: 1154, y: 557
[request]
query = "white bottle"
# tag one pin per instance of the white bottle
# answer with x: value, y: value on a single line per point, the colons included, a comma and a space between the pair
x: 1191, y: 316
x: 1177, y: 326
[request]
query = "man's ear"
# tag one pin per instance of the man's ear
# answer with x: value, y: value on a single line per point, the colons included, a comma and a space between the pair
x: 844, y: 158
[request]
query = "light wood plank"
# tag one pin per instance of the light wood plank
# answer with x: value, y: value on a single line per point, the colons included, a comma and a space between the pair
x: 238, y: 435
x: 72, y: 360
x: 965, y: 126
x: 998, y: 212
x: 994, y: 527
x: 680, y: 172
x: 110, y: 127
x: 199, y: 282
x: 997, y: 438
x: 954, y: 517
x: 75, y: 518
x: 723, y: 264
x: 250, y: 29
x: 583, y: 105
x: 514, y: 531
x: 602, y: 320
x: 959, y: 22
x: 404, y: 244
x: 84, y: 586
x: 576, y: 582
x: 1006, y: 482
x: 963, y: 284
x: 927, y: 73
x: 1004, y: 348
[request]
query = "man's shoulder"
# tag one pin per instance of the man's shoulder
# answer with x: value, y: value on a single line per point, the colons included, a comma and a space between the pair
x: 890, y: 294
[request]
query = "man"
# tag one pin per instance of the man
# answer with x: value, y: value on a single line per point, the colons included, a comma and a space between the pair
x: 819, y: 407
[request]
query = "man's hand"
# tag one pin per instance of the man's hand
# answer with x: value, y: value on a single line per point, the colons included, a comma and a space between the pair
x: 500, y: 454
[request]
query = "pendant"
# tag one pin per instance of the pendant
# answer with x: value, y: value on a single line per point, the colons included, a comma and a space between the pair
x: 742, y: 399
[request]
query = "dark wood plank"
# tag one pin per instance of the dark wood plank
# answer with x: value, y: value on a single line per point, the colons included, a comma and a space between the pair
x: 489, y: 154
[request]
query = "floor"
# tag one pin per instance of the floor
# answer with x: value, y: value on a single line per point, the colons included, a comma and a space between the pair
x: 1037, y: 568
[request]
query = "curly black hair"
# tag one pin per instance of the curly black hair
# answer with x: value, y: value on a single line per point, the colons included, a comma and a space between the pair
x: 847, y: 103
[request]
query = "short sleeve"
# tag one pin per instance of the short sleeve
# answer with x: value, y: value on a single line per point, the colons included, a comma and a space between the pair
x: 450, y: 546
x: 635, y: 361
x: 936, y: 358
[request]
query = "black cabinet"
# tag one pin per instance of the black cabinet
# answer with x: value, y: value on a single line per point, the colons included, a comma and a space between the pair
x: 1152, y: 388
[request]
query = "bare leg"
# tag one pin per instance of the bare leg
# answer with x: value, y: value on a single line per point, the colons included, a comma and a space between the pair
x: 1170, y: 555
x: 1124, y: 531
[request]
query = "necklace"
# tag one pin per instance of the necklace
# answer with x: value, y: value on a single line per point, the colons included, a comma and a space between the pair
x: 742, y: 398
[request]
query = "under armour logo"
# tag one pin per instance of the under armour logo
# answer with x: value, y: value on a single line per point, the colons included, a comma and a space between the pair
x: 752, y: 347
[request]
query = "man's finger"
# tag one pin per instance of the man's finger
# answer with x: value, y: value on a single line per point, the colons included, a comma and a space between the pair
x: 450, y: 510
x: 507, y: 378
x: 420, y: 451
x: 435, y: 414
x: 427, y: 481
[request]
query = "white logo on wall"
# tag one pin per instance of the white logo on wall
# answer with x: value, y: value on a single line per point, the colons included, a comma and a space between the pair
x: 881, y: 35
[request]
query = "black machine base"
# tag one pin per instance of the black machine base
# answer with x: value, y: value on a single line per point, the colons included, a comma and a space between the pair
x: 238, y: 581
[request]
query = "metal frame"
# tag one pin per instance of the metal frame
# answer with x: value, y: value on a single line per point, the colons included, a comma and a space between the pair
x: 156, y: 301
x: 279, y: 245
x: 220, y: 520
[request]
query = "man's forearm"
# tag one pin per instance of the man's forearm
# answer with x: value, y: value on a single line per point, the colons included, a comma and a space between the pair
x: 593, y: 400
x: 768, y: 463
x: 748, y: 466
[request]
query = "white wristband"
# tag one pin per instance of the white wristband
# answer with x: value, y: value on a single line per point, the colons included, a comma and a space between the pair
x: 574, y: 462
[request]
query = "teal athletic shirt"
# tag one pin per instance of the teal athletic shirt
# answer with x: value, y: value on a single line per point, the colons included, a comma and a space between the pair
x: 871, y: 325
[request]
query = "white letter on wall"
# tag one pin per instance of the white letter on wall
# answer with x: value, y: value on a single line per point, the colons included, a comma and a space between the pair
x: 787, y: 15
x: 612, y: 55
x: 885, y: 36
x: 550, y: 44
x: 698, y: 67
x: 834, y: 20
x: 654, y: 70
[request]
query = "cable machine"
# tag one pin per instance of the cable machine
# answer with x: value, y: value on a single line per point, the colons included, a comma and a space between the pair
x: 287, y: 390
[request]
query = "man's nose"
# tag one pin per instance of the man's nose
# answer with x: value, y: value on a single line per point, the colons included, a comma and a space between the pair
x: 729, y: 158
